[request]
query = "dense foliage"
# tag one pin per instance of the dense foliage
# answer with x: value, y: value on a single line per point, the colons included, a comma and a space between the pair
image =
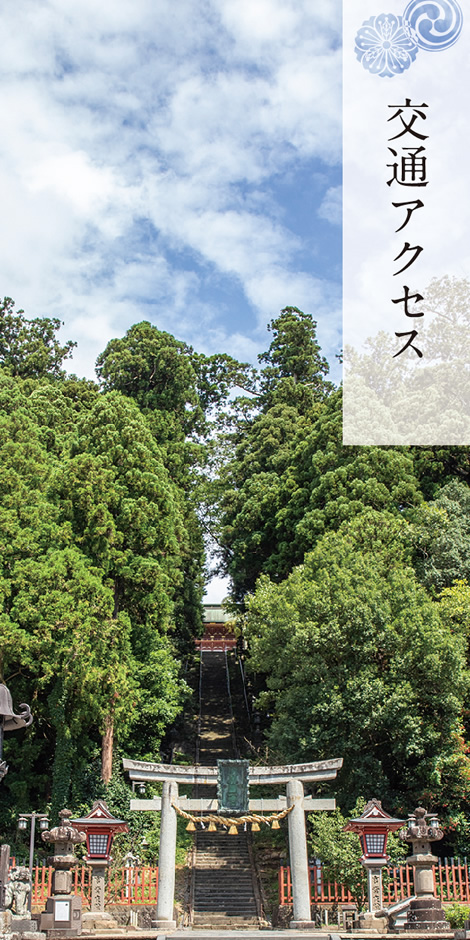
x: 349, y: 566
x: 95, y: 549
x: 363, y: 664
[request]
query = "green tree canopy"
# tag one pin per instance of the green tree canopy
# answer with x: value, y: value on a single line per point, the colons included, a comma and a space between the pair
x: 91, y: 538
x: 443, y: 537
x: 291, y: 480
x: 350, y: 645
x: 29, y: 347
x: 295, y: 370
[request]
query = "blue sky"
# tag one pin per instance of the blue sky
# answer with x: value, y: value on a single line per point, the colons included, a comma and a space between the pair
x: 171, y: 161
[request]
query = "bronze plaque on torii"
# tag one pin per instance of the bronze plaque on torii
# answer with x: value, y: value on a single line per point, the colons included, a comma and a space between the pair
x: 232, y: 786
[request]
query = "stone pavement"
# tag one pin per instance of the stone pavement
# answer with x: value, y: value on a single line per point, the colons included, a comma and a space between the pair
x: 188, y: 933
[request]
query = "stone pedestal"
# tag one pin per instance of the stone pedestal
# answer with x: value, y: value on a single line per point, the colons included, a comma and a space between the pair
x: 23, y: 925
x: 463, y: 934
x: 62, y: 916
x: 5, y: 923
x: 425, y: 912
x: 15, y: 927
x: 371, y: 921
x: 166, y: 860
x: 98, y: 920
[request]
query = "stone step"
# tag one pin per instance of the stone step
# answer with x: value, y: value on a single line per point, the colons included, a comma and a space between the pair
x: 216, y: 893
x: 234, y: 872
x: 224, y: 911
x: 222, y: 899
x: 222, y: 864
x: 235, y: 892
x: 227, y: 907
x: 227, y: 848
x: 226, y: 904
x: 220, y: 860
x: 209, y: 882
x: 222, y: 904
x: 224, y: 891
x: 230, y: 876
x: 233, y: 851
x: 206, y: 876
x: 220, y: 839
x: 210, y: 921
x: 241, y: 857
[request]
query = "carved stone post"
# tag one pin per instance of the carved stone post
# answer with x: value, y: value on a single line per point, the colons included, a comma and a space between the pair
x: 4, y: 868
x: 5, y: 916
x: 98, y: 876
x: 166, y: 859
x: 298, y: 854
x: 374, y: 868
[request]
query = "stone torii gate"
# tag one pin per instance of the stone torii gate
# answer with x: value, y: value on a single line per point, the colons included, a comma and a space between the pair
x: 293, y: 776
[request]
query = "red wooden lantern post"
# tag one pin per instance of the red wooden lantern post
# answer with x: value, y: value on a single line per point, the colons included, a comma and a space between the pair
x: 99, y: 827
x: 373, y: 827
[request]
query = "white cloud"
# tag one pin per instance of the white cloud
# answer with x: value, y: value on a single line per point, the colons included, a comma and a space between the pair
x: 331, y: 205
x: 121, y: 112
x: 72, y: 177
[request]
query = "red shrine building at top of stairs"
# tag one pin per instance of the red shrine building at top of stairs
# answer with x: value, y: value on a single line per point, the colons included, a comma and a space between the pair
x: 218, y: 629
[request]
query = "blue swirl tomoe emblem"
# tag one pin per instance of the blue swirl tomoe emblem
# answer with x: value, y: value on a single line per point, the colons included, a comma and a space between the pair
x: 433, y: 24
x: 384, y: 46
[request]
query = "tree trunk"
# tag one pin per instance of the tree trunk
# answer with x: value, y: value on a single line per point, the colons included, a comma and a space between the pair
x: 107, y: 749
x: 108, y: 736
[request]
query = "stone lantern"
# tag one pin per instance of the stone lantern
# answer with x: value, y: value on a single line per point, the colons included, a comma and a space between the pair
x: 63, y: 914
x: 425, y: 912
x: 373, y: 827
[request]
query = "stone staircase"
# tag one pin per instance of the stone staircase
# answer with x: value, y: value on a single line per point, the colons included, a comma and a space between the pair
x: 224, y: 887
x: 216, y: 730
x: 225, y: 890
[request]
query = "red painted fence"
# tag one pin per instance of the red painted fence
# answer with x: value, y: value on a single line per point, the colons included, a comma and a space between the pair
x: 451, y: 877
x: 137, y: 885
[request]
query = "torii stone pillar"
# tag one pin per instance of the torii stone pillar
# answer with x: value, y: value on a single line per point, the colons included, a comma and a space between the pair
x: 298, y: 854
x: 166, y: 859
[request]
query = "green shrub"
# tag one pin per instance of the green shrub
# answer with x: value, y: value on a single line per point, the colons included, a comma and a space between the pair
x: 457, y: 914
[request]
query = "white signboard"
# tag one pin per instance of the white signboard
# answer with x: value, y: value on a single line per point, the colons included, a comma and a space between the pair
x: 406, y: 297
x: 62, y: 910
